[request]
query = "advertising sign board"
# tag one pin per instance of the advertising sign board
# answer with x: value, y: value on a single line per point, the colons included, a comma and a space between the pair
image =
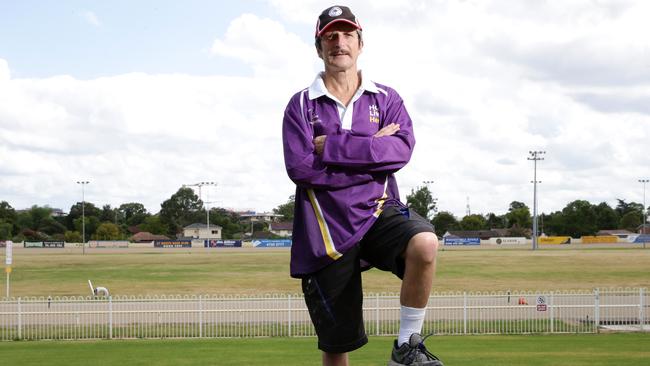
x: 221, y: 243
x: 272, y: 243
x: 172, y: 244
x: 462, y: 241
x: 554, y: 240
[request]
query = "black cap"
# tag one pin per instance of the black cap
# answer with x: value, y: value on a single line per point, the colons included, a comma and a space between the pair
x: 335, y: 14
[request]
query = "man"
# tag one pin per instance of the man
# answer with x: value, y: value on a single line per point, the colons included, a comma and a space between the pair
x: 344, y: 138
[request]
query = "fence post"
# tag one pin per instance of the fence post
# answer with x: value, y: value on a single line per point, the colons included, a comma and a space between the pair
x: 464, y: 312
x: 20, y: 320
x: 289, y: 315
x: 200, y: 316
x: 597, y: 309
x: 641, y: 308
x: 110, y: 317
x: 377, y: 313
x: 551, y: 311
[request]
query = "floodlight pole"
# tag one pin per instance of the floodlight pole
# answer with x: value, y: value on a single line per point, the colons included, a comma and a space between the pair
x: 207, y: 209
x: 83, y: 215
x: 645, y: 210
x: 535, y: 156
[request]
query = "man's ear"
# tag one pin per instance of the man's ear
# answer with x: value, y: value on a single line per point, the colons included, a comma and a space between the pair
x: 319, y: 52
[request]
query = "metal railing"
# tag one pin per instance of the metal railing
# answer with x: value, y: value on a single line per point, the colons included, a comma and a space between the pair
x: 286, y: 315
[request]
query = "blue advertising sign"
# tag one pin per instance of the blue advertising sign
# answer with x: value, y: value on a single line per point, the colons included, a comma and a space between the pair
x: 219, y: 243
x: 272, y: 243
x: 643, y: 238
x: 462, y: 241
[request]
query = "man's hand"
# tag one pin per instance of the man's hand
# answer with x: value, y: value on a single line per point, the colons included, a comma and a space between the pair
x: 388, y: 130
x: 319, y: 144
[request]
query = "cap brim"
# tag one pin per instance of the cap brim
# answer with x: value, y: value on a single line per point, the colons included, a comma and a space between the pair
x: 337, y: 21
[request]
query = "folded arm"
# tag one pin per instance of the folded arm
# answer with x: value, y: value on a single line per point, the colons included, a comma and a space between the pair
x: 304, y: 166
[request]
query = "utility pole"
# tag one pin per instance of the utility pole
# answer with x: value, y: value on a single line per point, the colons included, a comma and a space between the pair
x: 83, y: 215
x: 207, y: 209
x: 535, y: 156
x: 645, y: 210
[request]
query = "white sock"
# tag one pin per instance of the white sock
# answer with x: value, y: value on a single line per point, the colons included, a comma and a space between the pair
x: 411, y: 321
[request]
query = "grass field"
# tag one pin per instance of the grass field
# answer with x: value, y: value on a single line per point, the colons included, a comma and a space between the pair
x: 251, y: 271
x: 531, y: 350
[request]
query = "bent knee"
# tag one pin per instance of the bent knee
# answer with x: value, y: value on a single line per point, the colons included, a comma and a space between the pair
x: 423, y: 248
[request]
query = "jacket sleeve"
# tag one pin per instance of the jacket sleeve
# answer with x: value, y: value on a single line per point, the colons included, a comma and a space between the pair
x: 305, y: 168
x: 374, y: 154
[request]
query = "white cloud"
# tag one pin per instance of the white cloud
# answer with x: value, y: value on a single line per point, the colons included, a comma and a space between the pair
x: 5, y: 74
x: 484, y: 82
x: 90, y: 17
x: 267, y: 47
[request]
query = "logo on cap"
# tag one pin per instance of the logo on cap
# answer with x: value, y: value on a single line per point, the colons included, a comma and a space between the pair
x: 335, y: 11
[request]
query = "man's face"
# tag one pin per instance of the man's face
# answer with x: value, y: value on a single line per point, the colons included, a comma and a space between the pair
x: 340, y: 47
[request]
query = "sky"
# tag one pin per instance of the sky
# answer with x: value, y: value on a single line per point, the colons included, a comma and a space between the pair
x: 140, y: 98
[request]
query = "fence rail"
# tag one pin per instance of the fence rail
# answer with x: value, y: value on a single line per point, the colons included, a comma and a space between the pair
x: 286, y: 315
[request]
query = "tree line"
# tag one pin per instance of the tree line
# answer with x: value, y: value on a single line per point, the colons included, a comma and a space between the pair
x: 184, y: 207
x: 113, y: 223
x: 576, y: 219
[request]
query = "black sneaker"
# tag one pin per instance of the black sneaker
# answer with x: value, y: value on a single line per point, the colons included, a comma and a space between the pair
x: 413, y: 353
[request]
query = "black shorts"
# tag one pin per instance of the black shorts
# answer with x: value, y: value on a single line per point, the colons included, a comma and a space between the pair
x: 334, y: 294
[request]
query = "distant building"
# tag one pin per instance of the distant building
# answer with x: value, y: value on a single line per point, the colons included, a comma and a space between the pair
x: 200, y: 231
x: 146, y: 237
x: 281, y: 228
x: 482, y: 234
x: 643, y: 229
x: 57, y: 212
x: 261, y: 216
x: 618, y: 232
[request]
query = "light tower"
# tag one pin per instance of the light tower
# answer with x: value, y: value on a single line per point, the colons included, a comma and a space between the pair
x: 535, y: 156
x: 83, y: 215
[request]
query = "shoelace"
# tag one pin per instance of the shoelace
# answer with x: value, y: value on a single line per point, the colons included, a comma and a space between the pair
x: 424, y: 349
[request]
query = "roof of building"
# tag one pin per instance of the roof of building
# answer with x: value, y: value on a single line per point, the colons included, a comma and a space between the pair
x: 483, y: 234
x: 201, y: 226
x: 614, y: 232
x: 147, y: 236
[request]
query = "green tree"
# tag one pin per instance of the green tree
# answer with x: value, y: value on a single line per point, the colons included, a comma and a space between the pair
x: 492, y: 221
x: 7, y: 214
x: 623, y: 207
x: 51, y: 226
x: 134, y: 213
x: 421, y: 201
x: 579, y: 219
x: 154, y: 225
x: 183, y: 208
x: 89, y: 210
x: 92, y: 223
x: 107, y: 231
x: 6, y: 230
x: 631, y: 220
x: 72, y: 237
x: 473, y: 222
x: 553, y: 223
x: 230, y: 222
x: 606, y: 217
x: 518, y: 215
x: 444, y: 221
x: 286, y: 209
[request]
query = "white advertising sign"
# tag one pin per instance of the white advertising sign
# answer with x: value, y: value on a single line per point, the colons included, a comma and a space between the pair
x: 8, y: 252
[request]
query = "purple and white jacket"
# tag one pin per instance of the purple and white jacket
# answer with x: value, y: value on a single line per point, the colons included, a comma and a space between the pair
x: 340, y: 193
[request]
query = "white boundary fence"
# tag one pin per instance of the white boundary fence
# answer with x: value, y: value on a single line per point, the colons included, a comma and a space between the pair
x: 287, y: 316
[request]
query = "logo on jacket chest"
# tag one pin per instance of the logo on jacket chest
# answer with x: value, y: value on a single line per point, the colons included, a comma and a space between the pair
x: 373, y: 113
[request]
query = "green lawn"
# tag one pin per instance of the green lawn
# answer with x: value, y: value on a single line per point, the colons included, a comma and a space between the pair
x: 632, y: 349
x: 254, y: 271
